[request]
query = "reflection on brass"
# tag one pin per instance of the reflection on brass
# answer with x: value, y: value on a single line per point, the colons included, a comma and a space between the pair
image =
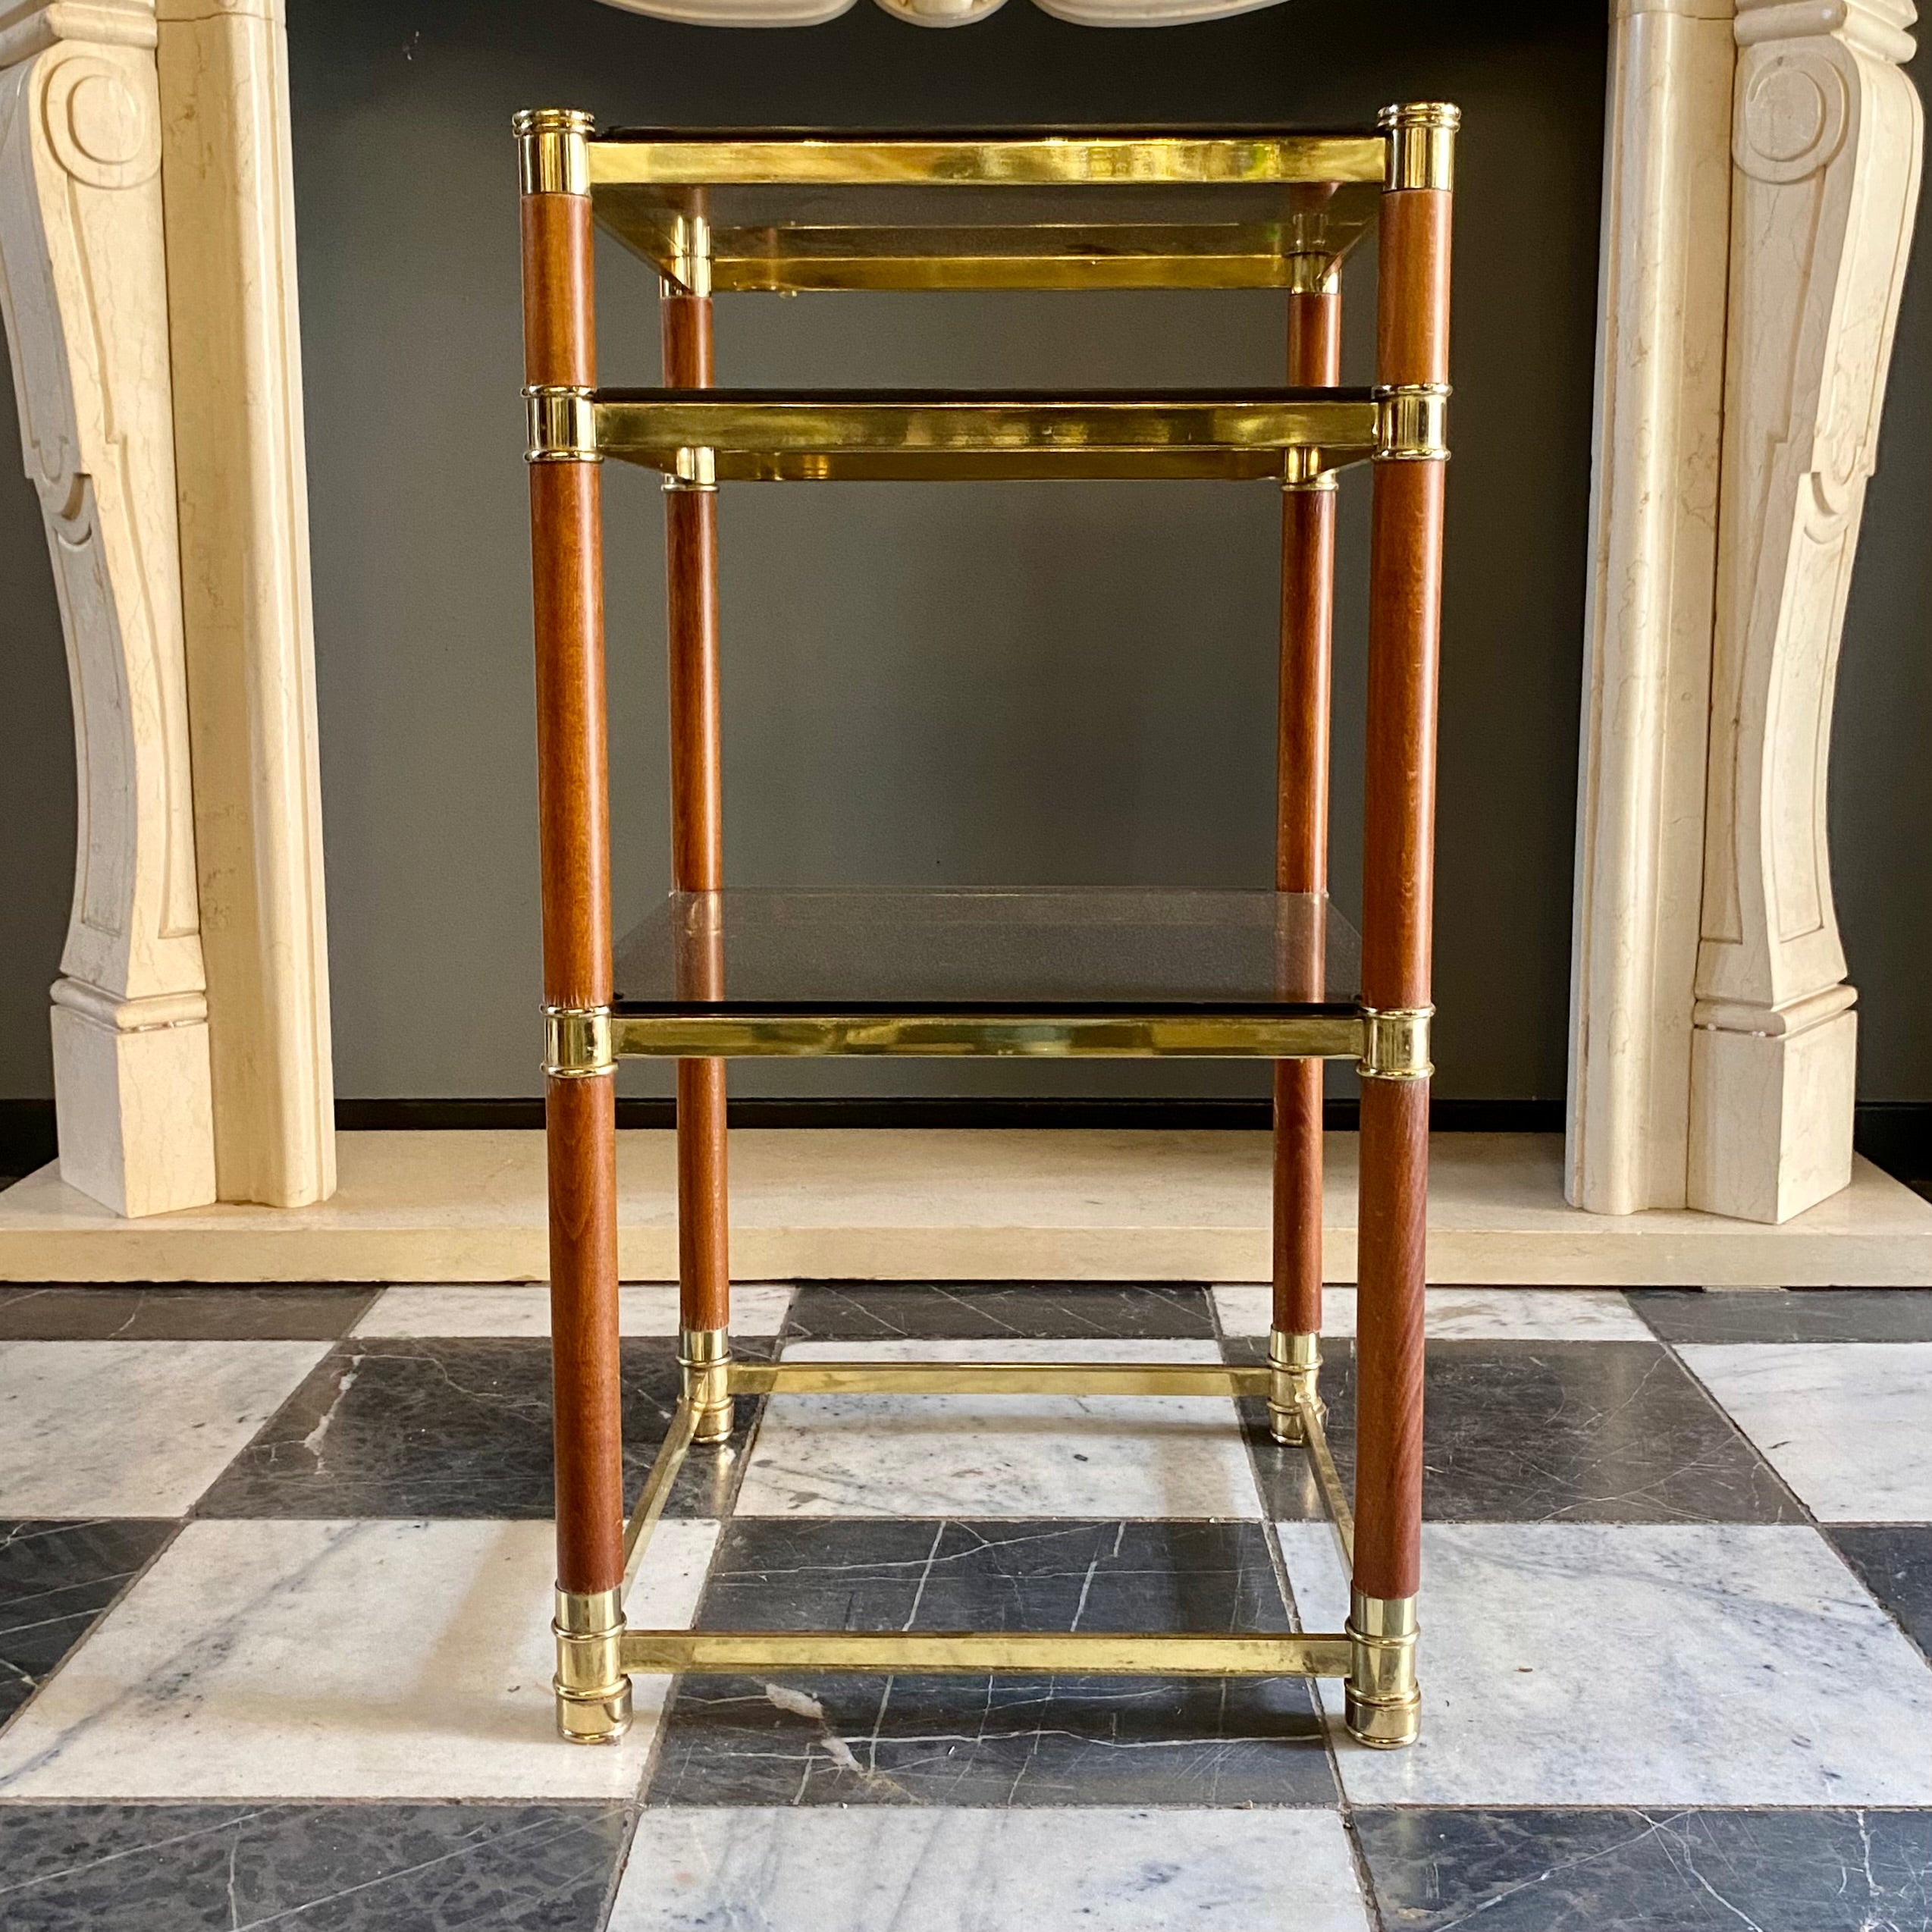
x: 1295, y: 1362
x: 1304, y: 469
x: 692, y: 469
x: 705, y: 1356
x: 1328, y: 1478
x: 1421, y: 144
x: 1206, y: 1036
x: 1091, y: 158
x: 553, y: 150
x: 593, y: 1693
x: 657, y: 1485
x: 1037, y: 1654
x: 761, y: 436
x: 1413, y: 423
x: 578, y: 1040
x: 562, y: 425
x: 1383, y: 1704
x: 1395, y: 1043
x: 687, y: 262
x: 785, y: 1377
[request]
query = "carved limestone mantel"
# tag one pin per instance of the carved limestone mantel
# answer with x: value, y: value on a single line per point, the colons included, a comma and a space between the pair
x: 1763, y: 177
x: 1761, y: 169
x: 146, y: 273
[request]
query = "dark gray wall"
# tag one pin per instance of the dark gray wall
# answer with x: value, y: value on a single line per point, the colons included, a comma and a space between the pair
x: 957, y: 684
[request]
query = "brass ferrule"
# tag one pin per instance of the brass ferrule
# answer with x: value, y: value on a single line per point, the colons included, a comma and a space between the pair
x: 1395, y: 1043
x: 687, y: 260
x: 704, y: 1355
x: 1302, y: 469
x: 1412, y: 423
x: 593, y: 1694
x: 693, y: 470
x: 1294, y: 1366
x: 1383, y: 1705
x: 1421, y: 144
x: 1312, y: 273
x: 577, y: 1042
x: 563, y: 425
x: 553, y: 150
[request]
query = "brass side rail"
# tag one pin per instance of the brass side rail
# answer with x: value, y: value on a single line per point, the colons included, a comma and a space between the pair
x: 1294, y: 1653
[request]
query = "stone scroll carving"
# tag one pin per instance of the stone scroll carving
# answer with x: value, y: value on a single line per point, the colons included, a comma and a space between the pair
x: 1826, y: 136
x: 83, y: 288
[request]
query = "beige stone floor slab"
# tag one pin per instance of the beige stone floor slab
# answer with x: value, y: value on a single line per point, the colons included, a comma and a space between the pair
x: 963, y: 1205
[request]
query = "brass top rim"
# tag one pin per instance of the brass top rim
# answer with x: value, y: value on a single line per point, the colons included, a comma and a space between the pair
x: 553, y: 121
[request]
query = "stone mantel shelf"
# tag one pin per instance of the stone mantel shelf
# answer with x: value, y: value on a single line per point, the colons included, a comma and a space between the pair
x: 1762, y: 170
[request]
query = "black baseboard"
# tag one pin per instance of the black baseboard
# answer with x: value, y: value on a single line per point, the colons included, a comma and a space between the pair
x: 1447, y: 1116
x: 1896, y: 1135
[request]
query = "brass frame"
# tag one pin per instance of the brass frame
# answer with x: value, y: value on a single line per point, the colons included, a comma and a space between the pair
x: 1392, y: 1045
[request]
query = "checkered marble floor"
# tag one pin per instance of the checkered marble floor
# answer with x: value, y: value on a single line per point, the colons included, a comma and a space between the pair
x: 273, y: 1576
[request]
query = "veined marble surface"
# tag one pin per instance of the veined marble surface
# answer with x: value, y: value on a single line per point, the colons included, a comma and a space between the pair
x: 1597, y: 1663
x: 133, y: 1428
x: 339, y: 1660
x: 522, y: 1308
x: 1847, y: 1425
x: 999, y: 1456
x: 888, y: 1869
x: 1464, y: 1314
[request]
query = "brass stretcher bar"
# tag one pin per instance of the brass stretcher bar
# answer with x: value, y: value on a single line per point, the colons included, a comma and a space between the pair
x: 1162, y: 1653
x: 752, y: 436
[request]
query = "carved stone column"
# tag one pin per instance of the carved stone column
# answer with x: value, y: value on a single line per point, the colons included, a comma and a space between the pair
x: 83, y: 286
x: 244, y: 518
x: 1826, y: 136
x: 1647, y: 668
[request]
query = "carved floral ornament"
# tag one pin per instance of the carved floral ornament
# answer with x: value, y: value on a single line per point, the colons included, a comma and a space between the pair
x: 936, y: 13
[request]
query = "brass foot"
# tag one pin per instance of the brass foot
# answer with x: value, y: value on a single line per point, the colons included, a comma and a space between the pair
x: 1383, y: 1705
x: 593, y: 1694
x: 1295, y: 1363
x: 705, y: 1354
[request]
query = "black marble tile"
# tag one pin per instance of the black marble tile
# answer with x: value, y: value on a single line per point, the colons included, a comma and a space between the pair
x: 321, y: 1867
x: 449, y: 1428
x: 1650, y: 1872
x: 1894, y: 1562
x: 1543, y: 1432
x: 1113, y: 1311
x: 837, y: 1739
x: 315, y: 1311
x: 1787, y: 1314
x: 56, y: 1580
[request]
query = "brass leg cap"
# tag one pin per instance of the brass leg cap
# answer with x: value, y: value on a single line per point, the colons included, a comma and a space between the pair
x: 1286, y: 1426
x: 713, y: 1426
x: 601, y: 1718
x: 1383, y: 1724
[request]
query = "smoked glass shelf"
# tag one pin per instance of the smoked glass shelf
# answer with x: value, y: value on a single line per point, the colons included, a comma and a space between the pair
x: 1122, y: 974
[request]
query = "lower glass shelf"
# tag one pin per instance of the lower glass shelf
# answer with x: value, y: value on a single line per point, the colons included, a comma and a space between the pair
x: 1119, y: 974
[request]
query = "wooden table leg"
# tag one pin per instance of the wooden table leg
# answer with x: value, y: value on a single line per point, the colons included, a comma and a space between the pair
x: 593, y: 1695
x: 690, y: 536
x: 1384, y: 1705
x: 1301, y: 864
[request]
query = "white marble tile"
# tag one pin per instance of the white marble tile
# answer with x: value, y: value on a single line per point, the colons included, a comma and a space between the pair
x: 1464, y: 1314
x: 522, y: 1308
x: 1847, y: 1425
x: 1652, y: 1663
x: 995, y: 1455
x: 880, y: 1868
x: 132, y: 1428
x: 333, y: 1660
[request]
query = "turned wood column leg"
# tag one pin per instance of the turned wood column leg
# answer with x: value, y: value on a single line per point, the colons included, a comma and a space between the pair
x: 691, y: 531
x: 1404, y: 609
x: 593, y: 1695
x: 1301, y: 864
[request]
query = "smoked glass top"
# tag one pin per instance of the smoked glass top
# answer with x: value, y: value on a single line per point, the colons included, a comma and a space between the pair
x: 1063, y: 952
x: 1244, y: 208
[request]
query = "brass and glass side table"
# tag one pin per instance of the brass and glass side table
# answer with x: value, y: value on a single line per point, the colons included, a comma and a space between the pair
x: 716, y: 973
